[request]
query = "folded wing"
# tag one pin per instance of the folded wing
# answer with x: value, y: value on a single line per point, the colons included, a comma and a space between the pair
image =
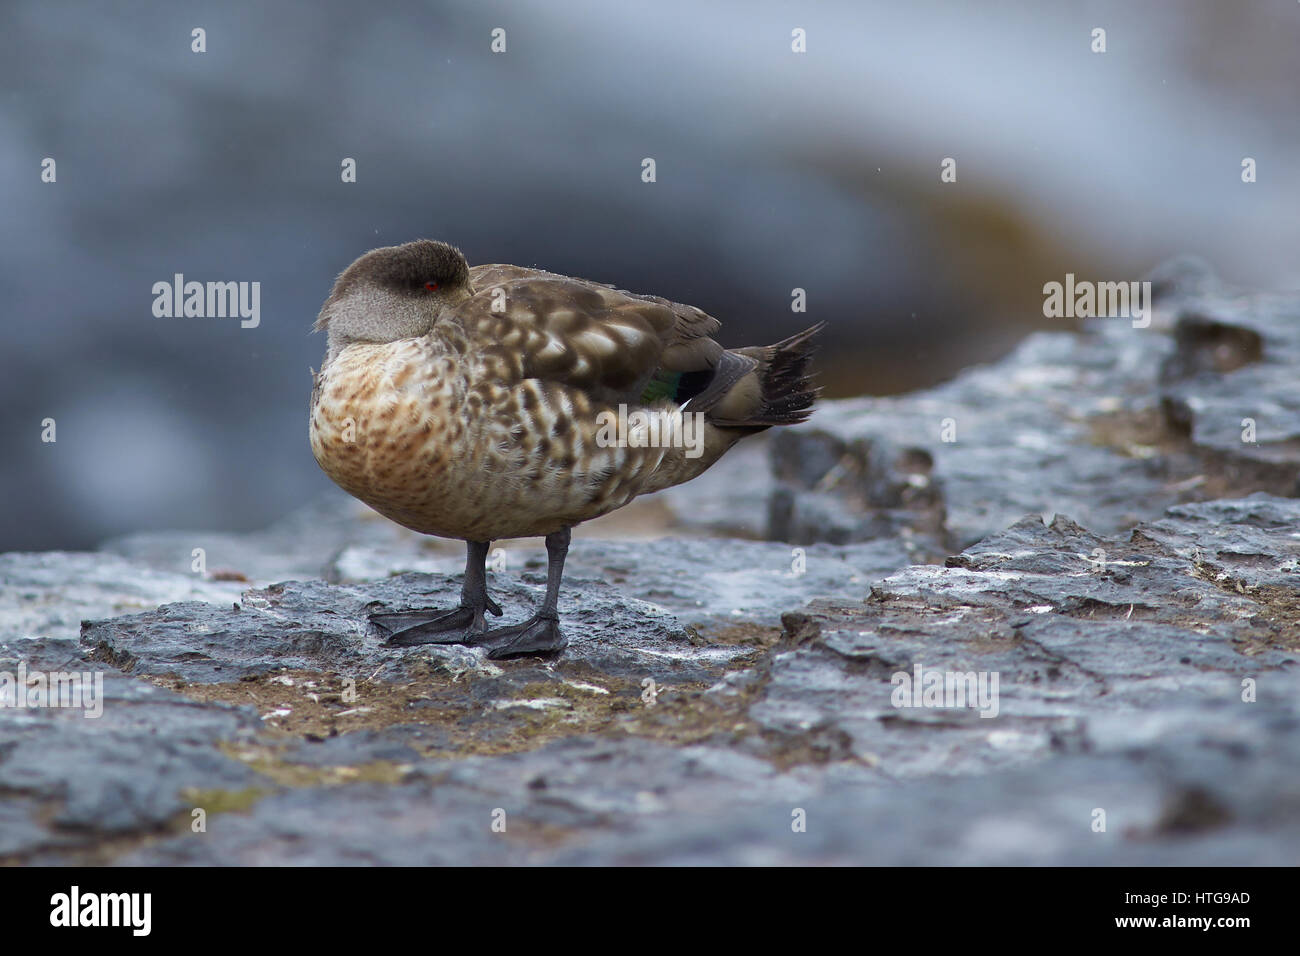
x: 614, y: 345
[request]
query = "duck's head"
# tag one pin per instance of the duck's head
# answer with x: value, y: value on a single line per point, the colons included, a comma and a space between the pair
x: 396, y: 292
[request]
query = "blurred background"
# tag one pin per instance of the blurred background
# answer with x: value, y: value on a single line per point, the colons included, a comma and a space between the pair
x: 775, y: 170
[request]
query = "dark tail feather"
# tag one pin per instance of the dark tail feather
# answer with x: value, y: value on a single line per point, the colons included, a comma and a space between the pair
x: 786, y: 392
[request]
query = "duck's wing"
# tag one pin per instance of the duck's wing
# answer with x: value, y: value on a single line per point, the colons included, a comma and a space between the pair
x: 616, y: 346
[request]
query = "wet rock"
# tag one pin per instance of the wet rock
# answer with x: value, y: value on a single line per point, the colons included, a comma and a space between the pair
x: 320, y: 627
x: 519, y: 808
x: 50, y: 593
x: 1190, y: 796
x: 1111, y: 426
x: 74, y: 781
x: 1243, y: 545
x: 1150, y: 675
x: 1078, y: 628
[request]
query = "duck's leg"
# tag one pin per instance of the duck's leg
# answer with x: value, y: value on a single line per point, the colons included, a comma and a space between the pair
x: 457, y: 626
x: 541, y: 633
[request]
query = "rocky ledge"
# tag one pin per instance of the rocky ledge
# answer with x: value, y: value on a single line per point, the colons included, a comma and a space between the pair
x: 928, y: 663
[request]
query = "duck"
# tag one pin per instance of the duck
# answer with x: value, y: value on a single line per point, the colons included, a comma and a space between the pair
x: 497, y: 401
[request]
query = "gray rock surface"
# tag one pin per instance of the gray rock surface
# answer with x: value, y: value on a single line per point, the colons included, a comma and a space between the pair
x: 1120, y: 658
x: 49, y: 593
x: 73, y: 786
x: 729, y: 700
x: 1110, y: 427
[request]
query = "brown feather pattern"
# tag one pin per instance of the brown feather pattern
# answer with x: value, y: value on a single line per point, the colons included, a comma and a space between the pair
x: 485, y: 426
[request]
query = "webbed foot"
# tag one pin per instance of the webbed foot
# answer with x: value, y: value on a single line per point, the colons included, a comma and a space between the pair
x: 460, y: 625
x: 538, y: 636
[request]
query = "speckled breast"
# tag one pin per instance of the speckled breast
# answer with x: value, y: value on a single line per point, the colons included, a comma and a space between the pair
x: 384, y: 427
x: 431, y: 439
x: 452, y: 442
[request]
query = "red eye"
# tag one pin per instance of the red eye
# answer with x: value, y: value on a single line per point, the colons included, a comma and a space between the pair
x: 431, y: 286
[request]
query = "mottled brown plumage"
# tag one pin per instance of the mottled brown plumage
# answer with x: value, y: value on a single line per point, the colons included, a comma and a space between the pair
x: 466, y: 403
